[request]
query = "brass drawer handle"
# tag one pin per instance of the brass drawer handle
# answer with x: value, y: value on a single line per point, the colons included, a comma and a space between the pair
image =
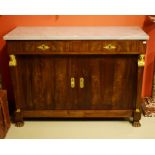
x: 43, y: 47
x: 72, y: 82
x: 81, y: 82
x: 109, y: 47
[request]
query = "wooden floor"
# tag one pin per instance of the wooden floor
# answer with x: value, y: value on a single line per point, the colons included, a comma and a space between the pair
x: 50, y: 129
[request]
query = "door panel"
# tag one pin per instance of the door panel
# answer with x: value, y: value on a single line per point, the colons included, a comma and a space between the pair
x: 45, y: 82
x: 110, y: 82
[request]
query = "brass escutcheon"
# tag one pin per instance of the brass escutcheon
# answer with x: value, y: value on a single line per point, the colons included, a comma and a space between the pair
x: 81, y: 82
x: 43, y: 47
x: 72, y: 82
x: 109, y: 47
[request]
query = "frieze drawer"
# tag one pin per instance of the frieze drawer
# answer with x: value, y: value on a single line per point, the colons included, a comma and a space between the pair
x: 77, y: 46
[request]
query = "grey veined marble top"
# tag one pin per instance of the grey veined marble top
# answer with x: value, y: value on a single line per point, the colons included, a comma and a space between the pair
x: 77, y: 33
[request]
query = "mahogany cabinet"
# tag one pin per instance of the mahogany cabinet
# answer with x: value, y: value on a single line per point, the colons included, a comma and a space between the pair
x: 77, y: 78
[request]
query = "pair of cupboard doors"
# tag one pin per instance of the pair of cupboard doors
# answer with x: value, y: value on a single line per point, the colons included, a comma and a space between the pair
x: 78, y: 82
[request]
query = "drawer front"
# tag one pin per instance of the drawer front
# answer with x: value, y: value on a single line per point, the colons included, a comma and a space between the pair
x: 77, y: 47
x: 36, y: 47
x: 120, y: 46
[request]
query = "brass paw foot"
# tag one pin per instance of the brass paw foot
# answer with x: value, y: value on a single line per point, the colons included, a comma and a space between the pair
x: 136, y: 124
x: 19, y: 124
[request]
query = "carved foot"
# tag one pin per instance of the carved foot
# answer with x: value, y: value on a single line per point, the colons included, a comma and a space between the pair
x: 19, y: 124
x: 136, y: 124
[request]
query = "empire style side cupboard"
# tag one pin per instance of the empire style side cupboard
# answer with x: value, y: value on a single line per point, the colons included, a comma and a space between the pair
x: 77, y: 72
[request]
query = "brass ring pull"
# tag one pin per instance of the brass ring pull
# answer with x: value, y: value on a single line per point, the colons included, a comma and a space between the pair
x: 109, y: 47
x: 43, y: 47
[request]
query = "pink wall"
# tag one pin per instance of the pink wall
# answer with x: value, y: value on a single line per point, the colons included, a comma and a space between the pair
x: 7, y: 23
x: 149, y: 63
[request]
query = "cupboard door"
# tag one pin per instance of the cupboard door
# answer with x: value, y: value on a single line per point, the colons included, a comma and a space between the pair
x: 65, y: 82
x: 109, y: 82
x: 43, y: 82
